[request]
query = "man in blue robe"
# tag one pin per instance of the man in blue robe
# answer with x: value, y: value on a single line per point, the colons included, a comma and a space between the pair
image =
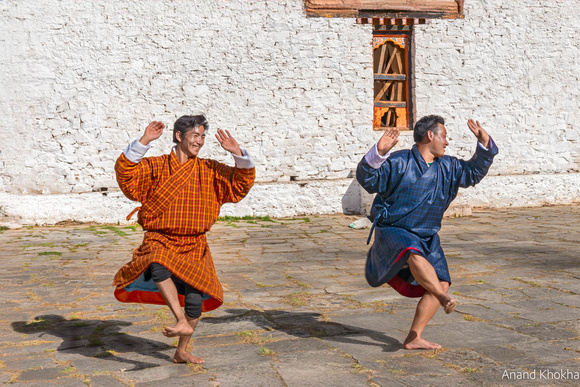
x: 414, y: 187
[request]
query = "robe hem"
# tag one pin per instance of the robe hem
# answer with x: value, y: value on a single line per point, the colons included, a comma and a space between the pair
x: 155, y: 298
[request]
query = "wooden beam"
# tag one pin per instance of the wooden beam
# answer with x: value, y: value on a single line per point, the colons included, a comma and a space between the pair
x: 412, y: 8
x: 382, y: 59
x: 399, y: 69
x: 384, y: 128
x: 390, y: 77
x: 395, y: 104
x: 395, y: 50
x: 383, y: 91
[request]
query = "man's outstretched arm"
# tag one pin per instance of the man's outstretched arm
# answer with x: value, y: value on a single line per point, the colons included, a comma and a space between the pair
x: 136, y: 150
x: 372, y: 173
x: 233, y: 184
x: 479, y: 132
x: 473, y: 171
x: 133, y: 175
x: 241, y: 156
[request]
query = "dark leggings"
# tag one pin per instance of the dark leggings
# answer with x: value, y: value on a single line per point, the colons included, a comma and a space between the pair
x: 193, y: 297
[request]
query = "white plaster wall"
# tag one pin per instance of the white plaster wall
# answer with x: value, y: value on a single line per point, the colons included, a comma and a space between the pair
x: 80, y: 79
x: 515, y: 66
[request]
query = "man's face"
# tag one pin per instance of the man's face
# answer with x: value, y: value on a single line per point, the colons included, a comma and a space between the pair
x: 190, y: 143
x: 439, y: 142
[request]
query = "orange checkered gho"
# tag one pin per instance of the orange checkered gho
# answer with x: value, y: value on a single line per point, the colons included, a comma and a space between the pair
x: 180, y: 203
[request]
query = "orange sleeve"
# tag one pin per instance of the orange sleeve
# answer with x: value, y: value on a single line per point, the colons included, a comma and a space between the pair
x: 231, y: 183
x: 135, y: 179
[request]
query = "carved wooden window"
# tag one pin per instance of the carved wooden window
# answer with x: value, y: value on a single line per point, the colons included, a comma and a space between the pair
x: 392, y: 72
x: 392, y: 61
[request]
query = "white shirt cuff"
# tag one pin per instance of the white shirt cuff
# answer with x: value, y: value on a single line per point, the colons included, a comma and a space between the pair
x: 244, y: 161
x: 374, y: 159
x: 489, y: 144
x: 135, y: 151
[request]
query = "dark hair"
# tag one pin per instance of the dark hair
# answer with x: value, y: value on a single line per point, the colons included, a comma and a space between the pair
x: 185, y: 123
x: 425, y: 124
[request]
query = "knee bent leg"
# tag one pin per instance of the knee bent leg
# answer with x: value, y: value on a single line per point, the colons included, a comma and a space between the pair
x: 159, y: 273
x: 193, y: 303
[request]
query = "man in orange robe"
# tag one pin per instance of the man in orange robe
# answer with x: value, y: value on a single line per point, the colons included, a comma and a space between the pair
x: 181, y: 195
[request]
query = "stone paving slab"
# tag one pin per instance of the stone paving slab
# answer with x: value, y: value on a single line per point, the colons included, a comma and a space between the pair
x: 259, y: 375
x: 297, y: 310
x: 317, y: 368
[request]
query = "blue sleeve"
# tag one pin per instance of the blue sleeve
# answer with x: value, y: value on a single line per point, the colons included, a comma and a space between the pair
x: 469, y: 173
x: 371, y: 179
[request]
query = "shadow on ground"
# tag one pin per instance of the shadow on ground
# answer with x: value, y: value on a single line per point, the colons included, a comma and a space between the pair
x: 102, y: 338
x: 88, y: 338
x: 309, y: 324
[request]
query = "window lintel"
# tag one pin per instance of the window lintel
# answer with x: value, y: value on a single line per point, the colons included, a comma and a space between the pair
x: 395, y: 9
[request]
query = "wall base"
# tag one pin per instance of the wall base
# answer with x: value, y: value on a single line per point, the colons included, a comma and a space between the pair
x: 291, y: 199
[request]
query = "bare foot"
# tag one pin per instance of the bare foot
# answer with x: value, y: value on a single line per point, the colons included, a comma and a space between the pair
x: 186, y: 357
x: 182, y: 328
x: 447, y: 303
x: 450, y: 305
x: 420, y: 343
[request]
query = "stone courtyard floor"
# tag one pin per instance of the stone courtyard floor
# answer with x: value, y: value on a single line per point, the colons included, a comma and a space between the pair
x: 298, y: 311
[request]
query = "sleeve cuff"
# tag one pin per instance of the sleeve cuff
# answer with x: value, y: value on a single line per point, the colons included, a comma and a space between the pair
x: 135, y: 151
x: 244, y: 161
x: 490, y: 145
x: 374, y: 159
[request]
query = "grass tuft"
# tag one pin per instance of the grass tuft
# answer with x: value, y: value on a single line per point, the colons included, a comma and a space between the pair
x: 266, y: 352
x: 105, y: 354
x: 297, y: 298
x: 116, y: 231
x: 50, y: 253
x: 469, y: 317
x: 247, y: 218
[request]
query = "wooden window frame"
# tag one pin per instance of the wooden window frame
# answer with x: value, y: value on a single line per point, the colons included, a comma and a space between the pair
x: 393, y: 17
x: 380, y: 107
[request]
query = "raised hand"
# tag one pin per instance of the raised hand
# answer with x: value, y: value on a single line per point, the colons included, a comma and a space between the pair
x: 479, y: 132
x: 228, y: 142
x: 388, y: 140
x: 152, y: 132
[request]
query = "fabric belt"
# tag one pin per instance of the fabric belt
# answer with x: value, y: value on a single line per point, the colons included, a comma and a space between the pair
x: 133, y: 212
x: 380, y: 216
